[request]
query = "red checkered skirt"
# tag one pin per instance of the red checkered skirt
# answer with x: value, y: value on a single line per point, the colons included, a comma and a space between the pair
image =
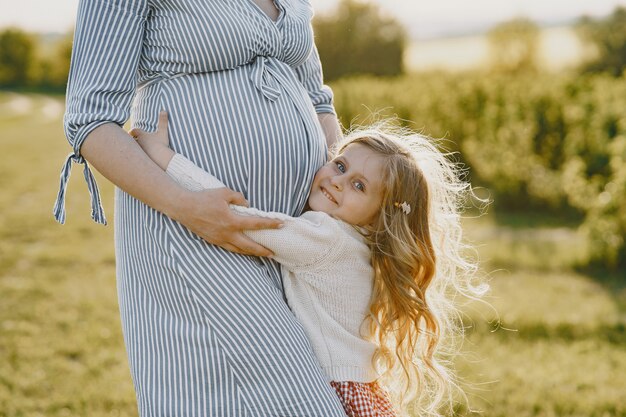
x: 364, y: 399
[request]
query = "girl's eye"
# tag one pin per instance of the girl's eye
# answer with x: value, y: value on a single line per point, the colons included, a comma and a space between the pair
x: 340, y: 166
x: 359, y: 186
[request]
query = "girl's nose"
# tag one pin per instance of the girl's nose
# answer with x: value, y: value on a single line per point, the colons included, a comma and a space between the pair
x: 335, y: 181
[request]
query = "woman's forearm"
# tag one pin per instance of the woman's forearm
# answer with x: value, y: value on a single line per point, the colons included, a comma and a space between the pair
x: 117, y: 157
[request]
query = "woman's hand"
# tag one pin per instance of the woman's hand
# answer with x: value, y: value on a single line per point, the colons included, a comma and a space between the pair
x: 207, y: 214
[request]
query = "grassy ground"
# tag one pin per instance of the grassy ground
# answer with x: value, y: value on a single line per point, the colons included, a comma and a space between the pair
x: 559, y: 349
x: 558, y: 346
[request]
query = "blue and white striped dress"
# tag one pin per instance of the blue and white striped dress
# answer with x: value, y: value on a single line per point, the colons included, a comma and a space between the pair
x: 207, y: 332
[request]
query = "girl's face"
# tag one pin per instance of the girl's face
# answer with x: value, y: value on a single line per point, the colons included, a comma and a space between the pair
x: 350, y: 187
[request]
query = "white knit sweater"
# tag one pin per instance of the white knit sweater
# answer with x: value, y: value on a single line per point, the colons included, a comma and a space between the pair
x: 327, y: 278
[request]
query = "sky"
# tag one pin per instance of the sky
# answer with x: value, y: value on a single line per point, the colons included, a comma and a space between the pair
x: 424, y: 19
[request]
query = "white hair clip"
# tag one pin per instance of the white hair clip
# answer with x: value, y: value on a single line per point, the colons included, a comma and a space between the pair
x: 404, y: 206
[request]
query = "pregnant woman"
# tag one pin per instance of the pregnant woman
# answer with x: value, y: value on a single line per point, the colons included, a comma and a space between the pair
x: 206, y: 327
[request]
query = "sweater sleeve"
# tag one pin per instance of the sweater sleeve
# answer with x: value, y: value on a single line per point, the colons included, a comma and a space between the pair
x: 189, y: 175
x: 301, y: 242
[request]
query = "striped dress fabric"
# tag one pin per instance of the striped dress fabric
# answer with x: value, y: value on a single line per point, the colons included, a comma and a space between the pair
x: 207, y: 332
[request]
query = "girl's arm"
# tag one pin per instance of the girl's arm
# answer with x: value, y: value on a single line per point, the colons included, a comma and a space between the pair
x: 301, y: 241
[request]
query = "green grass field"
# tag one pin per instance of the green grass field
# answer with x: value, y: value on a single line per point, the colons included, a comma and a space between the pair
x: 559, y: 348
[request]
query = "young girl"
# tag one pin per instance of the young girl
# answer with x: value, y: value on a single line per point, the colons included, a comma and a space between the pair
x: 370, y: 268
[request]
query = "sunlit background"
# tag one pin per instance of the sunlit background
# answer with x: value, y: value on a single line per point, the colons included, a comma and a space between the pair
x: 443, y: 34
x: 424, y: 19
x: 531, y: 94
x: 460, y: 23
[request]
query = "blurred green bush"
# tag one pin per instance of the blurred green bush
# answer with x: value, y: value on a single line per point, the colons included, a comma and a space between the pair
x: 607, y: 37
x: 358, y: 39
x: 17, y: 53
x: 553, y: 142
x: 514, y: 46
x: 30, y: 61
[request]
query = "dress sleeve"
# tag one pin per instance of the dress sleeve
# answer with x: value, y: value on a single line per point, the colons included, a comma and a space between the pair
x: 310, y: 75
x: 105, y: 56
x: 301, y: 242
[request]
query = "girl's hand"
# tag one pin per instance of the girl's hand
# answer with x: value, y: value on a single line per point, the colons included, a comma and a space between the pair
x: 155, y: 144
x: 159, y: 137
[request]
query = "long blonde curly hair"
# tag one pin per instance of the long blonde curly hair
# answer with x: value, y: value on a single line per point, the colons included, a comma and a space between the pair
x: 419, y: 263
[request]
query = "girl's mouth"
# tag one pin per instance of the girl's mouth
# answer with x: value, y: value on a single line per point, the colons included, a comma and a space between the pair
x: 327, y: 195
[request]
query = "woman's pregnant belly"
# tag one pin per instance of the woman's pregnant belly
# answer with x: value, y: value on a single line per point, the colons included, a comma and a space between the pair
x: 223, y: 123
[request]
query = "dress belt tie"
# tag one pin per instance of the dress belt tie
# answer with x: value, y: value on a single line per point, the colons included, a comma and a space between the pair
x: 263, y: 77
x: 97, y: 212
x: 273, y: 77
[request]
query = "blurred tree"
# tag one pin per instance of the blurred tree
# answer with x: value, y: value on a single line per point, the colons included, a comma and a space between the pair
x: 514, y: 45
x: 608, y: 36
x: 357, y: 39
x: 17, y: 56
x: 55, y: 69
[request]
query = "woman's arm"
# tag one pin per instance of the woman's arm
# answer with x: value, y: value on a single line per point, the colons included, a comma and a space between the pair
x: 115, y: 155
x: 332, y: 129
x: 108, y: 41
x: 310, y: 75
